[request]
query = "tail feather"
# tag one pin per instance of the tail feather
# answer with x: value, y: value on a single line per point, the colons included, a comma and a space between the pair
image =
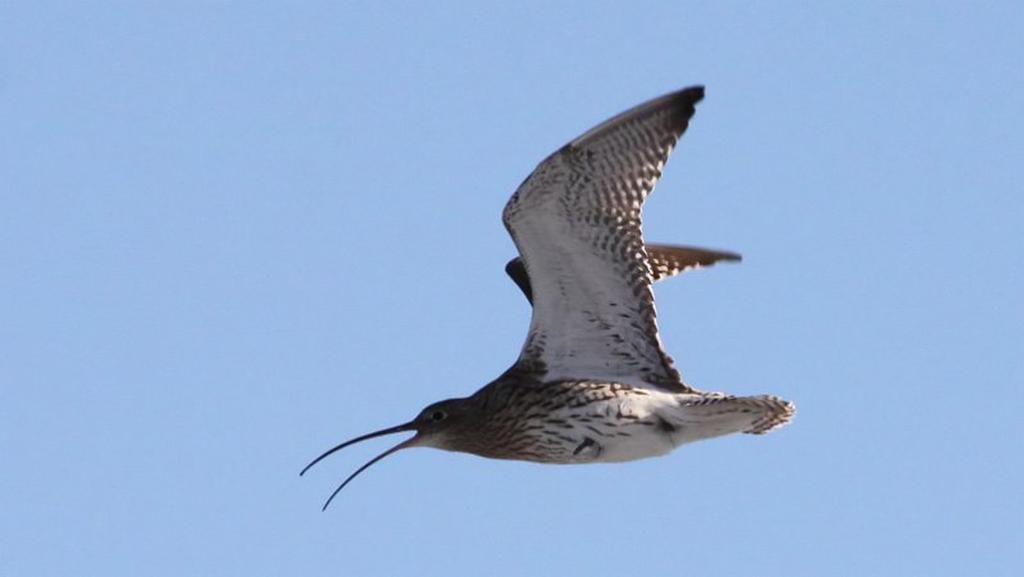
x: 776, y: 413
x: 714, y: 414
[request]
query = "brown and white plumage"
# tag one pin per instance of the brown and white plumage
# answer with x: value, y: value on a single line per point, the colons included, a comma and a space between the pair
x: 592, y: 382
x: 576, y: 222
x: 665, y: 261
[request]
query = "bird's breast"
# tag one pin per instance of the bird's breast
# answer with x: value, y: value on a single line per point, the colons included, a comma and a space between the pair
x: 601, y: 423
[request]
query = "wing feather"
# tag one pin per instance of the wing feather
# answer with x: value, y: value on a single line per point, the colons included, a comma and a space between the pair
x: 576, y: 222
x: 665, y: 261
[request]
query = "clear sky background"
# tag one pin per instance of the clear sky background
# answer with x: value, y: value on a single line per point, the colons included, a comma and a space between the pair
x: 233, y: 235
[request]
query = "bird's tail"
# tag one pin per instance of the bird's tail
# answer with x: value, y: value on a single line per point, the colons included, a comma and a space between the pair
x: 774, y: 413
x: 708, y: 415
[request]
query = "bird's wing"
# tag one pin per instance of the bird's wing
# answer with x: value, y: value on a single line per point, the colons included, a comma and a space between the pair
x: 668, y: 260
x: 665, y: 261
x: 576, y: 223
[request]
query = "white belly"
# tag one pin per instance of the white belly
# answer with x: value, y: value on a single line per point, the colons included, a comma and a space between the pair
x: 639, y: 430
x: 631, y: 427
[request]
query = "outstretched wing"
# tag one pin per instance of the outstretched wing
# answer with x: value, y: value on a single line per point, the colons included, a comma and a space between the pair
x: 665, y: 261
x: 576, y: 223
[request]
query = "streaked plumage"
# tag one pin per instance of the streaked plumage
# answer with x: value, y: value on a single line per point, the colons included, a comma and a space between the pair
x: 665, y: 261
x: 592, y: 382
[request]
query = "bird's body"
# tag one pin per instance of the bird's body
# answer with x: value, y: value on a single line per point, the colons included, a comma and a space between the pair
x: 588, y: 421
x: 592, y: 382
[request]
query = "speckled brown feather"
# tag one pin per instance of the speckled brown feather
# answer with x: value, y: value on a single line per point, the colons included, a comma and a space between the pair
x: 664, y: 260
x: 576, y: 222
x: 592, y: 383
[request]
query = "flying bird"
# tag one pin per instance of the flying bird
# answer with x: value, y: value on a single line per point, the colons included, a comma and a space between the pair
x: 592, y: 383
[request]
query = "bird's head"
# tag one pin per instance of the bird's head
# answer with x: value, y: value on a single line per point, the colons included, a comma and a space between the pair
x: 435, y: 426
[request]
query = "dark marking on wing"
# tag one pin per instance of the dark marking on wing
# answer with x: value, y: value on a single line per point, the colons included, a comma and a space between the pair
x: 576, y: 221
x: 665, y: 261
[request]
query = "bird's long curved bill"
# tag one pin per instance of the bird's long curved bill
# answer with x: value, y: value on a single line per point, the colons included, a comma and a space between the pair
x: 389, y: 431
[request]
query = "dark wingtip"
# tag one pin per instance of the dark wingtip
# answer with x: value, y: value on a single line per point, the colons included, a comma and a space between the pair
x: 682, y: 104
x: 732, y: 256
x: 694, y: 93
x: 686, y: 99
x: 516, y: 270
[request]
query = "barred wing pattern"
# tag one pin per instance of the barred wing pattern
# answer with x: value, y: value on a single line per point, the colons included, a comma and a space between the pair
x: 576, y: 223
x: 665, y: 261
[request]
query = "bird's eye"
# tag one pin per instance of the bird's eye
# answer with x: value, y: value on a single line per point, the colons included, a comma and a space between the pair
x: 438, y: 416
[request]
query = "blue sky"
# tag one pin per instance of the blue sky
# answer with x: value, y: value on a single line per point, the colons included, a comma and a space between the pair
x: 234, y: 234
